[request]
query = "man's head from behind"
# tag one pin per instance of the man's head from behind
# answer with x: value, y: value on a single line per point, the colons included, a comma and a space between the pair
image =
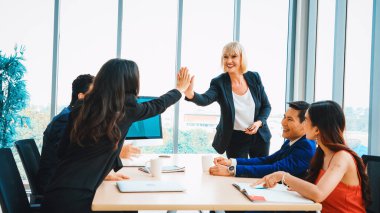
x: 292, y: 127
x: 80, y: 86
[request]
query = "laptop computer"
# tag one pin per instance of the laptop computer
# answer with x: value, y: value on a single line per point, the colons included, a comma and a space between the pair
x: 149, y: 186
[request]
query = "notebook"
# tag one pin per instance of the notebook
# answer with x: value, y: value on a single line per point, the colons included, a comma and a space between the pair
x: 149, y: 186
x: 165, y: 169
x: 277, y: 194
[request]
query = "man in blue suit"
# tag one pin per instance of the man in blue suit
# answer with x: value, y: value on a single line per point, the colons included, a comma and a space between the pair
x: 293, y: 157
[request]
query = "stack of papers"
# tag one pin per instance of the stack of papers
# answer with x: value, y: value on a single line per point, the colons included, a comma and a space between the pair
x: 165, y: 169
x: 277, y: 194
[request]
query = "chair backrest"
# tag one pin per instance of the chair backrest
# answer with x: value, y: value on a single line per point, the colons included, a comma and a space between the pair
x: 12, y: 192
x: 30, y: 158
x: 373, y: 170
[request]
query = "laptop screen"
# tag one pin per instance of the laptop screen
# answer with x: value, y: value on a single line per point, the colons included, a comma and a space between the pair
x: 150, y: 128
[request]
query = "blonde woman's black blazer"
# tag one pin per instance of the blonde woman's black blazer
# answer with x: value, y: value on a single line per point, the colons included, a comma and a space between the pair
x: 221, y: 91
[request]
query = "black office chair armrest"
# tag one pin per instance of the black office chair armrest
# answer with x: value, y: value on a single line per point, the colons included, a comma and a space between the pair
x: 36, y: 199
x: 35, y: 208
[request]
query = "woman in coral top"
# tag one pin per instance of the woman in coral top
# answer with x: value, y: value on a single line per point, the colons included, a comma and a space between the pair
x: 336, y: 176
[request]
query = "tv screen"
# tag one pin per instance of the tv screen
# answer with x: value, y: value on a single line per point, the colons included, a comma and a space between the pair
x: 145, y: 129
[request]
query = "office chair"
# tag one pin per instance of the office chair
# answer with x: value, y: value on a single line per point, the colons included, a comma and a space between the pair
x: 30, y: 158
x: 373, y: 170
x: 13, y: 197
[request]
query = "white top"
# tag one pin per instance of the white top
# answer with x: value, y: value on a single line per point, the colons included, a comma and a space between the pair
x: 244, y: 110
x: 292, y: 142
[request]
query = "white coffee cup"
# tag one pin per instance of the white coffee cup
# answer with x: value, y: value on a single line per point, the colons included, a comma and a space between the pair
x: 207, y: 162
x: 154, y: 167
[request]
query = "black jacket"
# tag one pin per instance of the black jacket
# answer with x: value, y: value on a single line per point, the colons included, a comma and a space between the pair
x: 49, y: 155
x: 83, y: 169
x: 221, y: 91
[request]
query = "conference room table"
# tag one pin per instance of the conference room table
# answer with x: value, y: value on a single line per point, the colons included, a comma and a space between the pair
x: 203, y: 191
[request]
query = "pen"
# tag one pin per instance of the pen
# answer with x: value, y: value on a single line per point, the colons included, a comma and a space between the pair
x: 258, y: 187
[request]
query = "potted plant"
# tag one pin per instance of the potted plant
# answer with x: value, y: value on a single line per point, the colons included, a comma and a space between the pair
x: 13, y: 94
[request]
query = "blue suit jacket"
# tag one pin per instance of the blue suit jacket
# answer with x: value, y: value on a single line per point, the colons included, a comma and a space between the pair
x: 221, y: 91
x: 294, y: 159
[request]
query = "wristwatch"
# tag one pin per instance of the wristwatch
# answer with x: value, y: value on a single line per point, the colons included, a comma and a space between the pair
x: 231, y: 170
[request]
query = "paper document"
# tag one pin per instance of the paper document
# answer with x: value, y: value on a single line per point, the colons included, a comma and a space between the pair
x: 165, y: 169
x: 277, y: 194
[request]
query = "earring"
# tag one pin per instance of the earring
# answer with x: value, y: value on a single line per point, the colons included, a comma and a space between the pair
x: 316, y: 140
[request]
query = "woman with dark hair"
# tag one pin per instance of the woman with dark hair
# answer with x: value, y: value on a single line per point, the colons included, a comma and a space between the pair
x: 90, y: 148
x: 337, y: 176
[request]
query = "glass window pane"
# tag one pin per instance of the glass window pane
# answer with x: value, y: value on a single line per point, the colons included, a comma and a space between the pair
x: 205, y: 31
x: 149, y: 39
x: 264, y: 31
x: 87, y: 40
x: 325, y: 50
x: 357, y: 73
x: 30, y: 24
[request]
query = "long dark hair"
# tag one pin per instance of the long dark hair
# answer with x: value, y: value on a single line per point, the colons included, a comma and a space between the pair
x: 328, y: 116
x: 103, y: 107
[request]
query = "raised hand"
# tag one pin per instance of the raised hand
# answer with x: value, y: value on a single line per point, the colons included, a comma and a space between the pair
x: 183, y: 79
x: 189, y: 93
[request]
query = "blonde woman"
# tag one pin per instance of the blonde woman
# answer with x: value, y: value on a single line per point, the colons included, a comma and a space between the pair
x: 242, y: 129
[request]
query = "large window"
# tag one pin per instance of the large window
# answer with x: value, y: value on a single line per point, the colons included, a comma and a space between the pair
x: 35, y: 32
x: 264, y: 30
x: 149, y: 39
x: 205, y: 31
x: 357, y: 73
x: 87, y: 40
x: 31, y: 24
x: 325, y: 50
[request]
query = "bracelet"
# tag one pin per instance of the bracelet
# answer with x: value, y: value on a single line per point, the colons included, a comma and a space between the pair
x: 283, y: 179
